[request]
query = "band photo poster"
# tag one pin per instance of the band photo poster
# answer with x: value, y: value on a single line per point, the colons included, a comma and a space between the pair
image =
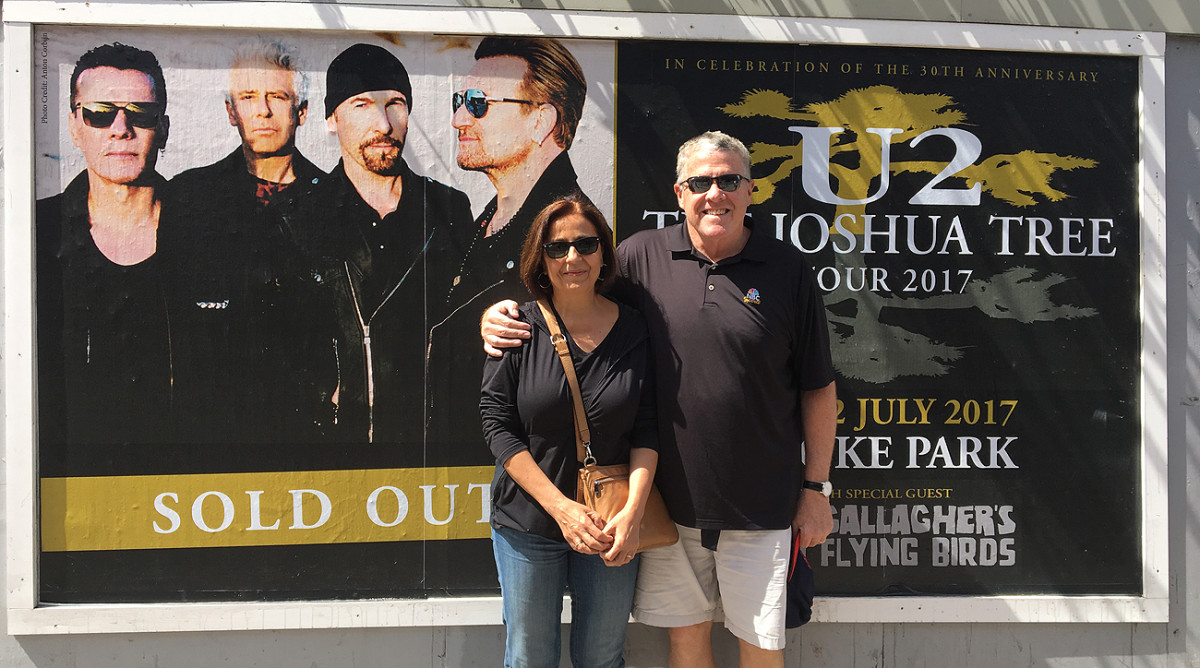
x: 258, y: 360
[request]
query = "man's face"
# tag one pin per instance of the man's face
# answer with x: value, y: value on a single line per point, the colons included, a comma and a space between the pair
x: 504, y: 136
x: 120, y: 153
x: 371, y: 127
x: 714, y: 212
x: 263, y: 107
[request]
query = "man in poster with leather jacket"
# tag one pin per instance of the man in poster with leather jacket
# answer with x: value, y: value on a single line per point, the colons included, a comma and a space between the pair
x: 105, y: 354
x: 516, y: 116
x: 374, y: 225
x: 260, y: 341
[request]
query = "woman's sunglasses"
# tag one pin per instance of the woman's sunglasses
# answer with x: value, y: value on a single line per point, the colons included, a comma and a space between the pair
x: 143, y: 115
x: 557, y: 250
x: 477, y: 103
x: 726, y: 182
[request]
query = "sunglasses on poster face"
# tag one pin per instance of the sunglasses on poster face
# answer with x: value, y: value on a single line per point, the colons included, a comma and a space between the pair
x: 477, y: 103
x: 726, y: 182
x: 557, y: 250
x: 145, y: 115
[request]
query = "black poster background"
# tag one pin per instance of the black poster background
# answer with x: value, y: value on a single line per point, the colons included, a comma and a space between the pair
x: 1074, y: 491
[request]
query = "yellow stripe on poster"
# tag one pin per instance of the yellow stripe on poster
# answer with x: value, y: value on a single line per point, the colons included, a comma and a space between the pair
x: 273, y: 508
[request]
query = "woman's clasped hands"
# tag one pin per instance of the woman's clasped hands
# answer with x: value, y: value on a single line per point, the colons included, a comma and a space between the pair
x: 582, y: 528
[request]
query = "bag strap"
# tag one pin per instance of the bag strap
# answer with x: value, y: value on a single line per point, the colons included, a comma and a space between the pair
x: 583, y: 434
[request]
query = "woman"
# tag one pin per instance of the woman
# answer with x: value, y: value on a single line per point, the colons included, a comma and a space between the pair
x: 543, y: 540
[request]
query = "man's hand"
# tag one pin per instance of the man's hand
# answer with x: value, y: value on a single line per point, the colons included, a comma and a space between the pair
x: 814, y: 519
x: 500, y: 328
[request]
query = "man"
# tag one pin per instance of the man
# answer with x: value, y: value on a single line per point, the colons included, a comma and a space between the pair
x: 744, y: 375
x: 259, y: 355
x: 375, y: 223
x: 516, y: 116
x: 267, y: 103
x: 104, y: 355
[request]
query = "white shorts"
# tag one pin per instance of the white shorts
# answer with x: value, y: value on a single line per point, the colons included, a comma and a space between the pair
x: 682, y: 584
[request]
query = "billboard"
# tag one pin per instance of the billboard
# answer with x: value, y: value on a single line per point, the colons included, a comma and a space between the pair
x: 275, y: 397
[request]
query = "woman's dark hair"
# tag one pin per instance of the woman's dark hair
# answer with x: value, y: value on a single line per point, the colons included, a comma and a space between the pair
x: 533, y: 262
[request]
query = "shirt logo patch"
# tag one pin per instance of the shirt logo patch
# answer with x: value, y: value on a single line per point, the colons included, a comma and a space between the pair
x: 752, y: 296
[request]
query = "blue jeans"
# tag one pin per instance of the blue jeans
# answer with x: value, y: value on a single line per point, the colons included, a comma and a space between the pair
x: 534, y: 573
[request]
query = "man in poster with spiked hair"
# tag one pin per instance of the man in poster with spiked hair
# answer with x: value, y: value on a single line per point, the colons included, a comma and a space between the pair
x: 260, y: 354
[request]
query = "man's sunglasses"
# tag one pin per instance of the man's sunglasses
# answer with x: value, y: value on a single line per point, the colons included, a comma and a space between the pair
x: 143, y: 115
x: 477, y: 103
x: 726, y: 182
x: 557, y: 250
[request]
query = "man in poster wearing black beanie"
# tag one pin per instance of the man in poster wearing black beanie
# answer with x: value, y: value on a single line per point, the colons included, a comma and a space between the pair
x: 377, y: 225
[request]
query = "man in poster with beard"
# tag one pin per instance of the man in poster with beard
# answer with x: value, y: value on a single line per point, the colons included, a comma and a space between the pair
x: 374, y: 226
x: 104, y: 350
x: 516, y: 116
x: 259, y: 346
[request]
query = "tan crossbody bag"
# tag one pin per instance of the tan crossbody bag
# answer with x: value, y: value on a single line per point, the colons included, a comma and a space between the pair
x: 605, y: 489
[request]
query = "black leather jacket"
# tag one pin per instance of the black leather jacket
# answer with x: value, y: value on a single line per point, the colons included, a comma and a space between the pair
x: 372, y: 273
x: 256, y: 363
x: 105, y: 358
x: 489, y: 271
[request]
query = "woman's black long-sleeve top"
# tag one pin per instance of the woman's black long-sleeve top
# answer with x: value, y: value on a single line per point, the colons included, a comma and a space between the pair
x: 526, y: 405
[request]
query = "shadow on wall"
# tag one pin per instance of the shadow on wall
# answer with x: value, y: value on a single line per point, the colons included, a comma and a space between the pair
x: 1172, y: 17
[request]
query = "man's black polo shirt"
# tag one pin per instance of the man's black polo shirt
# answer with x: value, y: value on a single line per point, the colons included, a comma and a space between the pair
x: 734, y: 343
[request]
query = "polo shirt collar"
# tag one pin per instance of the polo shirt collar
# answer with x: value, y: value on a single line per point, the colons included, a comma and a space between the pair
x: 680, y: 243
x: 678, y: 240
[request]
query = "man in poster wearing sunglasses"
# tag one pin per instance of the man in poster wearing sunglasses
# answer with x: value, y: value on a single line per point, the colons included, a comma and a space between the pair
x: 104, y: 355
x: 516, y: 117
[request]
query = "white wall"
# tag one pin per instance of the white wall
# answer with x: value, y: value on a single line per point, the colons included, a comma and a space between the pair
x: 1176, y: 643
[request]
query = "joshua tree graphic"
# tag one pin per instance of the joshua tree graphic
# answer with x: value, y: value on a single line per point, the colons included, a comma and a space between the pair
x: 864, y: 347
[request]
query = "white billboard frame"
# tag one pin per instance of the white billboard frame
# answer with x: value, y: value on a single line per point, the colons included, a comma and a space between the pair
x: 27, y: 616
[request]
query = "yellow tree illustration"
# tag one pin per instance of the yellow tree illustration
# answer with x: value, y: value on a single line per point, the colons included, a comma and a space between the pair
x: 866, y: 348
